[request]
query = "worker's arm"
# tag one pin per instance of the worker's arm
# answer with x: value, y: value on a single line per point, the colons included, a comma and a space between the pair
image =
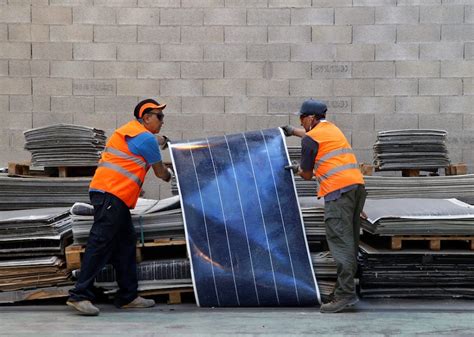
x: 289, y: 130
x: 309, y: 150
x: 161, y: 171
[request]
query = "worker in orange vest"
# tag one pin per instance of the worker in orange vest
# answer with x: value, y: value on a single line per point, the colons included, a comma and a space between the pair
x: 114, y: 190
x: 326, y: 154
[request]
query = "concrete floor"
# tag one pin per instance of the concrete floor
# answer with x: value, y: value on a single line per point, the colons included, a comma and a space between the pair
x: 368, y: 318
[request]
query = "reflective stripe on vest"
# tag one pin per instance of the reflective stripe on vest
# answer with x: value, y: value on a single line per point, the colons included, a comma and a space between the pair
x: 121, y: 170
x: 123, y: 155
x: 337, y: 170
x: 330, y: 155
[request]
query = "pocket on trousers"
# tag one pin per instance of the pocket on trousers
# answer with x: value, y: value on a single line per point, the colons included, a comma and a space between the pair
x: 333, y: 221
x: 97, y: 198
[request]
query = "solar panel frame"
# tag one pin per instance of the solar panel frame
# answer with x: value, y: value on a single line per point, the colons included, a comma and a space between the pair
x: 215, y: 173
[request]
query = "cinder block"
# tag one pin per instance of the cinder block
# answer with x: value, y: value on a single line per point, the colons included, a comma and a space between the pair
x: 396, y: 121
x: 138, y: 16
x: 15, y: 86
x: 244, y: 34
x: 457, y: 68
x: 71, y: 33
x: 15, y: 50
x: 45, y: 119
x: 289, y: 70
x: 115, y: 104
x: 3, y: 68
x: 73, y: 69
x: 331, y: 34
x: 173, y: 104
x: 202, y: 34
x: 313, y: 52
x: 289, y: 3
x: 246, y: 3
x: 448, y: 122
x: 469, y: 51
x: 35, y: 68
x: 224, y: 87
x: 21, y: 103
x: 373, y: 69
x: 28, y: 32
x: 160, y: 70
x: 244, y: 69
x: 138, y: 52
x: 417, y: 105
x: 468, y: 86
x: 374, y: 105
x: 415, y: 69
x: 159, y: 3
x: 159, y: 34
x: 203, y: 105
x: 331, y: 70
x: 51, y: 15
x: 182, y: 88
x: 52, y: 86
x: 289, y: 34
x: 119, y: 34
x: 338, y: 104
x: 224, y: 52
x: 332, y: 3
x: 268, y: 17
x: 115, y: 70
x: 456, y: 104
x: 442, y: 14
x: 396, y: 51
x: 284, y: 105
x: 82, y: 104
x: 469, y: 14
x: 225, y: 17
x: 353, y: 87
x: 396, y: 87
x: 202, y: 3
x: 181, y: 17
x: 93, y: 15
x: 374, y: 34
x: 397, y: 15
x: 468, y: 122
x: 227, y: 123
x: 268, y: 88
x: 457, y: 33
x: 418, y: 33
x: 268, y: 52
x: 441, y: 87
x: 116, y: 3
x: 418, y: 2
x: 41, y: 104
x: 100, y: 121
x: 138, y: 87
x: 312, y: 16
x: 355, y: 16
x: 355, y: 52
x: 94, y: 51
x: 311, y: 88
x: 363, y: 139
x: 15, y: 14
x: 52, y: 51
x: 178, y: 52
x: 94, y: 87
x: 17, y: 121
x: 354, y: 122
x: 245, y: 105
x: 202, y: 70
x: 442, y: 51
x: 180, y: 122
x: 261, y: 122
x: 3, y: 32
x: 374, y: 3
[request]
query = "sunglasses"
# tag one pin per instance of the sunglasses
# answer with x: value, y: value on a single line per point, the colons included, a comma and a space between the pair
x: 159, y: 115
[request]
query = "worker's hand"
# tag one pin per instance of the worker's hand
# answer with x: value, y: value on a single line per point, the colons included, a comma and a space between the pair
x: 363, y: 215
x: 295, y: 167
x: 171, y: 175
x: 288, y: 130
x: 163, y: 141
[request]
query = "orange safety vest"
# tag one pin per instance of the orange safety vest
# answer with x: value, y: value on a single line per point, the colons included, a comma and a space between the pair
x: 120, y: 172
x: 335, y: 165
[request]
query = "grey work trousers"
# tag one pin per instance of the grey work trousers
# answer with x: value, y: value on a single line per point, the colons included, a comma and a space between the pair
x: 342, y: 222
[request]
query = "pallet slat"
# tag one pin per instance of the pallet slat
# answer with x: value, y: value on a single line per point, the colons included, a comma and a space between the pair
x: 434, y: 241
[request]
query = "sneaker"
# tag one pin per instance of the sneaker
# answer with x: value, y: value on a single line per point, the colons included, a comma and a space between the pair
x: 337, y: 305
x: 139, y: 302
x: 85, y: 307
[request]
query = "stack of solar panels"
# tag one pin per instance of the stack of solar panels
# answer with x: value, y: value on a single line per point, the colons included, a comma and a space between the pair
x: 294, y: 152
x: 460, y: 187
x: 152, y: 275
x: 312, y: 210
x: 152, y: 219
x: 326, y: 272
x: 65, y: 145
x: 415, y: 273
x: 32, y: 273
x: 36, y: 232
x: 418, y: 217
x: 26, y: 193
x: 411, y: 149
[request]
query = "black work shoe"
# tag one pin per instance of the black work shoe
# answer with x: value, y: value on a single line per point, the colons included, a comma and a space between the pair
x: 85, y: 307
x: 337, y: 305
x: 139, y: 302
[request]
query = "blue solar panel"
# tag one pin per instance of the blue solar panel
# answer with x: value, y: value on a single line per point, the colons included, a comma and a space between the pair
x: 243, y: 224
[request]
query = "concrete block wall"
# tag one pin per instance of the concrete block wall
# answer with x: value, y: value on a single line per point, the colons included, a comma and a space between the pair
x: 226, y: 66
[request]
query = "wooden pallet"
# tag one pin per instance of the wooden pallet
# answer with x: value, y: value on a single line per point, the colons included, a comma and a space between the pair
x: 24, y: 169
x: 434, y: 241
x: 174, y: 295
x: 451, y: 170
x: 34, y: 294
x: 74, y: 252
